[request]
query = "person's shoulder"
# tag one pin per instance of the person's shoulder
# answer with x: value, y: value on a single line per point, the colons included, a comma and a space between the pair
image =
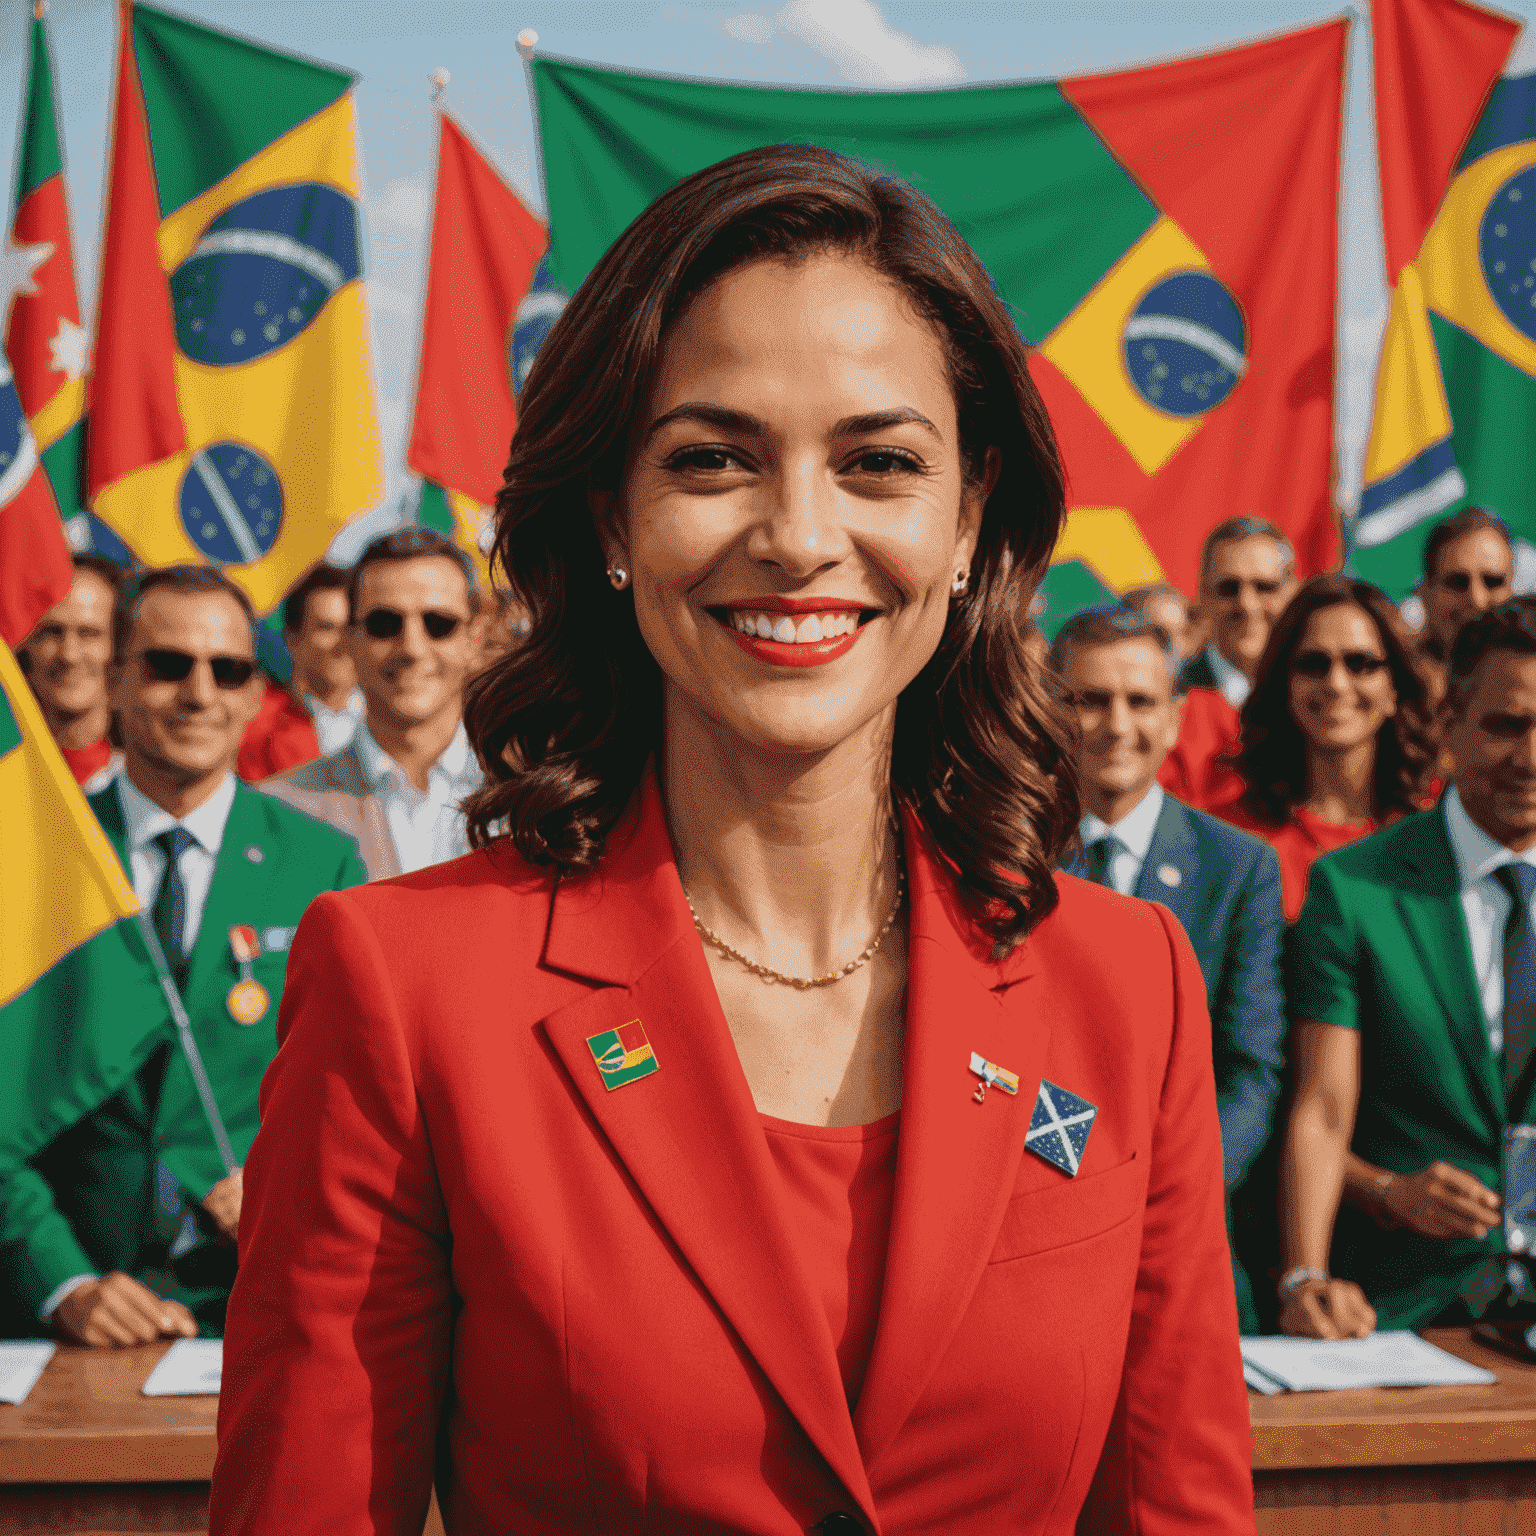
x: 496, y: 869
x: 1096, y: 917
x: 339, y: 772
x: 1380, y: 858
x: 1221, y: 830
x: 293, y: 826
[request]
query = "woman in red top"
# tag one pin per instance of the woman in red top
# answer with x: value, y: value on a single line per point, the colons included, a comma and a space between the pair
x: 668, y: 1162
x: 1335, y: 743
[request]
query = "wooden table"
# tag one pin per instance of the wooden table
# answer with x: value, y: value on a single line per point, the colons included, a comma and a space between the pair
x: 86, y: 1453
x: 1415, y: 1461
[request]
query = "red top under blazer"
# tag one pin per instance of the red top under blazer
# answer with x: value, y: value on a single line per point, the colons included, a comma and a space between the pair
x: 448, y: 1220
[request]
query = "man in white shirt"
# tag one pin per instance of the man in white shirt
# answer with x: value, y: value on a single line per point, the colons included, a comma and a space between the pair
x: 118, y: 1211
x: 1413, y: 985
x: 1221, y: 884
x: 399, y: 787
x: 1247, y: 576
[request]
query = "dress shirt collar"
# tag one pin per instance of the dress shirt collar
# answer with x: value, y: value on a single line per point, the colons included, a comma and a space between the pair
x: 1135, y: 829
x: 378, y: 766
x: 143, y: 820
x: 1231, y: 681
x: 355, y: 707
x: 1477, y: 855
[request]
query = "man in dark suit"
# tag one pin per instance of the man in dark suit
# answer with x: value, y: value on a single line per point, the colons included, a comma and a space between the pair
x: 1221, y: 884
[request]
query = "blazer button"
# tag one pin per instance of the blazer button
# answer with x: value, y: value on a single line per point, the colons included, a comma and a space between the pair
x: 839, y: 1523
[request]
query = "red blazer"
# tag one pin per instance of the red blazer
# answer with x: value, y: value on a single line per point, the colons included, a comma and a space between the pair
x: 282, y: 736
x: 1194, y: 772
x: 449, y: 1221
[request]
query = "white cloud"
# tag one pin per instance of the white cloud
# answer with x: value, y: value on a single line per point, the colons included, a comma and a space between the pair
x: 856, y: 36
x: 749, y: 27
x: 402, y: 204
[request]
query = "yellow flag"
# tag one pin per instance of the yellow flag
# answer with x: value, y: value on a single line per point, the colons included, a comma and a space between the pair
x: 60, y: 881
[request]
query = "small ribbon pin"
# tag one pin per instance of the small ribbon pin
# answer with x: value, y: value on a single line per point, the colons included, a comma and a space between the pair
x: 992, y: 1076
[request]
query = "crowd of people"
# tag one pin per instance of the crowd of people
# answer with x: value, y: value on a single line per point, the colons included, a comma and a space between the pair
x: 1373, y: 1017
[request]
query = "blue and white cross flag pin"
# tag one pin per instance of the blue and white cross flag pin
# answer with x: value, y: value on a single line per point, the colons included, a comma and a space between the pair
x: 1058, y: 1129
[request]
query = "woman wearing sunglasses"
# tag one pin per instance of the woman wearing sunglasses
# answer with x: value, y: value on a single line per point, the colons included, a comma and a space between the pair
x: 753, y: 1135
x: 1335, y: 742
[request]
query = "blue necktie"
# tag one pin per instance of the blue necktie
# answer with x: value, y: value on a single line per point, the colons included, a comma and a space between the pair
x: 1099, y: 855
x: 1519, y: 972
x: 170, y: 914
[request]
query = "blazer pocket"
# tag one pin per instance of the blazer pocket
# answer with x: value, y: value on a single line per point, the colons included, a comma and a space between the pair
x: 1071, y: 1212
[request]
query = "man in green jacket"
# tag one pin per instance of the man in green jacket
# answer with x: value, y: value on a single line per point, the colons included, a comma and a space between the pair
x: 118, y: 1207
x: 1412, y: 978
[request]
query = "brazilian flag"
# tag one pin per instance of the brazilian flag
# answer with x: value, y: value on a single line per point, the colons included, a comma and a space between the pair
x: 232, y: 407
x: 1165, y: 238
x: 1456, y: 391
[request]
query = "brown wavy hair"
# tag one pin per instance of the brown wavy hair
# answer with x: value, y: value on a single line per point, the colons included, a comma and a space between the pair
x: 565, y: 724
x: 1272, y: 756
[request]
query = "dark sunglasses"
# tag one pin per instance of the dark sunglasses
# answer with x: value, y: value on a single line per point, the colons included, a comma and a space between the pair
x: 229, y: 672
x: 1230, y: 586
x: 1320, y: 663
x: 386, y: 623
x: 1461, y: 581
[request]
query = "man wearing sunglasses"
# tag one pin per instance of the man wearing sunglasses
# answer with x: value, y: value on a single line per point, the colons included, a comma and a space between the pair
x: 117, y: 1212
x: 1469, y: 565
x: 398, y: 787
x: 1247, y: 576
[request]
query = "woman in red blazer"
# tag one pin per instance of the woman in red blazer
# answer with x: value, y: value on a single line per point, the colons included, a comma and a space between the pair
x: 753, y: 1135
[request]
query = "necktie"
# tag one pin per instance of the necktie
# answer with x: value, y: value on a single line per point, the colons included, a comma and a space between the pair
x: 1519, y: 971
x: 1099, y: 855
x: 170, y: 914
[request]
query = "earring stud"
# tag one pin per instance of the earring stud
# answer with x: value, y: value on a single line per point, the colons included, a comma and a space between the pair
x: 960, y: 583
x: 618, y: 577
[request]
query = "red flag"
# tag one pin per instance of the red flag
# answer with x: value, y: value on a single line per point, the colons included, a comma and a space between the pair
x: 134, y: 417
x: 485, y: 247
x: 1240, y: 151
x: 1435, y: 63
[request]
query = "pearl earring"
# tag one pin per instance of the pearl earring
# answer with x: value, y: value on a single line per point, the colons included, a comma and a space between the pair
x: 960, y: 583
x: 619, y: 577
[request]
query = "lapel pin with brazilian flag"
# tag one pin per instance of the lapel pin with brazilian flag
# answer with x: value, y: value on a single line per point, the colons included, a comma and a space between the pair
x: 623, y: 1055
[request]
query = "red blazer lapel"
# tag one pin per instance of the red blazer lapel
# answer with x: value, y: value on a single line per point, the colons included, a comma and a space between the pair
x: 958, y: 1160
x: 688, y: 1134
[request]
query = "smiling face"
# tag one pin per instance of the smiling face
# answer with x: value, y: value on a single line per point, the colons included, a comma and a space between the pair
x: 1243, y: 590
x: 1491, y: 739
x: 322, y: 661
x: 1472, y: 573
x: 1122, y: 692
x: 414, y: 674
x: 1341, y: 688
x: 67, y: 654
x: 187, y: 732
x: 794, y: 509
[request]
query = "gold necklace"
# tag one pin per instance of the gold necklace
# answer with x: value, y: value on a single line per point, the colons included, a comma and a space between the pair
x: 767, y: 972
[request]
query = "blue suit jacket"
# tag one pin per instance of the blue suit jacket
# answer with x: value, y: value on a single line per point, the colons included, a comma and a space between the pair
x: 1223, y: 885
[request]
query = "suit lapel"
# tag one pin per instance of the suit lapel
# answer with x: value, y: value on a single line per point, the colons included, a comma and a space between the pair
x: 1430, y: 906
x: 1172, y: 847
x: 957, y: 1160
x: 108, y: 806
x: 689, y: 1135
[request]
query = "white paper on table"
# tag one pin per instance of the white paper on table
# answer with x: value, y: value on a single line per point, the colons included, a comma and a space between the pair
x: 1259, y: 1381
x: 189, y: 1368
x: 1398, y: 1359
x: 21, y: 1363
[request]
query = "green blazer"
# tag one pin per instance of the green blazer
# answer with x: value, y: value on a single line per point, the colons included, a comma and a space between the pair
x: 1381, y: 946
x: 96, y: 1092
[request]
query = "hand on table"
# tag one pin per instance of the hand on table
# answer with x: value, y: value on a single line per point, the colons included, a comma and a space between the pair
x: 222, y: 1202
x: 1328, y: 1309
x: 119, y: 1310
x: 1441, y: 1201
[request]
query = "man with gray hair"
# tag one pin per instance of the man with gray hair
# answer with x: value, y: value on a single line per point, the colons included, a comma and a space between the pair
x: 1222, y: 884
x: 1247, y: 576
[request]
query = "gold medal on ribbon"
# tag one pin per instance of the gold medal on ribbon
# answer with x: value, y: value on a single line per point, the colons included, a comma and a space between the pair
x: 248, y: 1000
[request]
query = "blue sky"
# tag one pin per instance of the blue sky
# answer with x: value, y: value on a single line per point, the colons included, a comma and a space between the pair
x: 393, y: 48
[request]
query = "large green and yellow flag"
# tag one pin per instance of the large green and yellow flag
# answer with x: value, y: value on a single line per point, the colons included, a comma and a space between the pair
x: 232, y: 403
x: 60, y: 882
